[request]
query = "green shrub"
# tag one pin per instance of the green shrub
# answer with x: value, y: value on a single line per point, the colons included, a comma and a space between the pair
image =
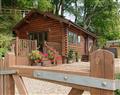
x: 71, y: 54
x: 5, y: 41
x: 117, y: 92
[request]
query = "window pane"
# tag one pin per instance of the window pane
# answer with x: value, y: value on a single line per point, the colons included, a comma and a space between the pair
x: 78, y: 39
x: 70, y: 37
x: 75, y: 38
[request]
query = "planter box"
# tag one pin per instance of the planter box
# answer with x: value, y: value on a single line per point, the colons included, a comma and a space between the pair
x: 59, y: 61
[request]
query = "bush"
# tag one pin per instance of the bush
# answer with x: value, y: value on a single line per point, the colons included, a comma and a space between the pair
x: 5, y: 41
x: 71, y: 54
x: 117, y: 92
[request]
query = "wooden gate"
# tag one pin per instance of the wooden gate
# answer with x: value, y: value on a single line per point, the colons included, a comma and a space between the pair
x: 98, y: 76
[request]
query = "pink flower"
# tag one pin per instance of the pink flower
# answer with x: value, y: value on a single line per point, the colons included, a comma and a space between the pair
x: 46, y: 55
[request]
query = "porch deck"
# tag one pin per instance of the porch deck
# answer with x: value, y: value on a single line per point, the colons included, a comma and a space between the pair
x: 81, y: 68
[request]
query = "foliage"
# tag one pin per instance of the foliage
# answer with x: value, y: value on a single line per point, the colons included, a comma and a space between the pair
x: 42, y: 5
x: 59, y: 6
x: 4, y: 44
x: 7, y: 22
x: 36, y: 56
x: 98, y: 16
x: 51, y: 55
x: 101, y: 42
x: 117, y: 92
x: 71, y: 54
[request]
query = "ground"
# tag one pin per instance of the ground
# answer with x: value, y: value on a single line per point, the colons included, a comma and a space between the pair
x: 37, y: 87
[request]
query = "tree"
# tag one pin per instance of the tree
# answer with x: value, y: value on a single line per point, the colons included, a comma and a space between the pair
x: 98, y: 16
x: 42, y: 5
x: 60, y: 6
x: 7, y: 23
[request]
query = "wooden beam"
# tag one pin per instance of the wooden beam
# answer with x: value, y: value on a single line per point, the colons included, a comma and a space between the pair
x: 76, y: 92
x: 20, y: 85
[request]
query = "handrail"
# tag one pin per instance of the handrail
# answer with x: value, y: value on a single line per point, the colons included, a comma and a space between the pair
x: 4, y: 10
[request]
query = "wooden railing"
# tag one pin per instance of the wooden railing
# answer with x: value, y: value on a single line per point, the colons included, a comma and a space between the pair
x: 24, y: 46
x: 13, y: 11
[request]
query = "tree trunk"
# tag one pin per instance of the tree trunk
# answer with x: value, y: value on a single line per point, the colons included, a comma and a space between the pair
x: 62, y: 7
x: 0, y: 6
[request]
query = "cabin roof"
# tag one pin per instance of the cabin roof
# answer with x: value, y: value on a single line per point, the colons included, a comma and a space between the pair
x: 52, y: 16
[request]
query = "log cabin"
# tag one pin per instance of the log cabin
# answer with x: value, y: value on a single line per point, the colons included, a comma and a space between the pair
x: 58, y: 32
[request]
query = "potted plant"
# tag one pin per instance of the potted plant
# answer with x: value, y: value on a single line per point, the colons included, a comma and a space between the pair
x: 36, y: 57
x: 51, y: 57
x: 77, y: 56
x: 45, y: 60
x: 71, y: 56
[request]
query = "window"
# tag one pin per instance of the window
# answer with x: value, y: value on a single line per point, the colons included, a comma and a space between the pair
x: 79, y: 39
x: 72, y: 37
x: 39, y: 36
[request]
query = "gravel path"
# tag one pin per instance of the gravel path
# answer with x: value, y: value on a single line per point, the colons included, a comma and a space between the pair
x: 37, y: 87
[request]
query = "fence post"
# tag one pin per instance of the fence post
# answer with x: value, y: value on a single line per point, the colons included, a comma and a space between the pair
x: 1, y: 77
x: 102, y: 66
x: 7, y: 86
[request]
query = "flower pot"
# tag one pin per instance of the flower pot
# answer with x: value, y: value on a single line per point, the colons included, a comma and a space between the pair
x: 59, y: 61
x: 70, y: 61
x: 48, y: 63
x: 36, y: 64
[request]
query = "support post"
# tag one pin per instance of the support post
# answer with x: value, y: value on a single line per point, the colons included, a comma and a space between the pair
x: 86, y: 45
x: 16, y: 49
x: 102, y: 66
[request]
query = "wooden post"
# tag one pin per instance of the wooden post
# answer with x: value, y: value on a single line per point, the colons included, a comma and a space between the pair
x: 1, y: 77
x: 16, y: 49
x: 86, y: 45
x: 7, y: 86
x: 102, y: 66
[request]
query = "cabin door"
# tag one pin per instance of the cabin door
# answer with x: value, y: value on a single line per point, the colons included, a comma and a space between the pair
x: 40, y: 37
